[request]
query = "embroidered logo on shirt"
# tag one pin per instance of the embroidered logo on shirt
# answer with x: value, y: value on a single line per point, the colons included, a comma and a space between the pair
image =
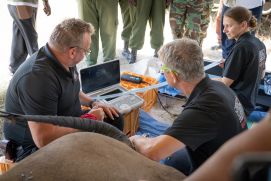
x: 262, y: 56
x: 238, y: 108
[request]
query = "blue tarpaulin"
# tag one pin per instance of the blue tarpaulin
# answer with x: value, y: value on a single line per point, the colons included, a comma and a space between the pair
x: 149, y: 125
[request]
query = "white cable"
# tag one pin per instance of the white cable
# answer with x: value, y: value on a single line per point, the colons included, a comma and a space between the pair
x: 132, y: 91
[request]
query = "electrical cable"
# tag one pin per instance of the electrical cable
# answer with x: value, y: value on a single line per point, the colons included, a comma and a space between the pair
x: 164, y: 108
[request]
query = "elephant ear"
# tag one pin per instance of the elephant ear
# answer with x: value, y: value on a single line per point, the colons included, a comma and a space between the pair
x: 89, y: 156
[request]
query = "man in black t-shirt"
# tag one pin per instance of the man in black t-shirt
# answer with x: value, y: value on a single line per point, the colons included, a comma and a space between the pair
x: 47, y: 84
x: 211, y: 115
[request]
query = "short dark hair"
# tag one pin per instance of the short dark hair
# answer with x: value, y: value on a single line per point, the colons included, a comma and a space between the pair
x: 70, y: 32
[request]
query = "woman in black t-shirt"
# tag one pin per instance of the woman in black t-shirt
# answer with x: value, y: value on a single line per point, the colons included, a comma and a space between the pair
x: 245, y: 64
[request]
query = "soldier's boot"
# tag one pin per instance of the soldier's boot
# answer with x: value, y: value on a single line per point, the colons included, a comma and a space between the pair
x: 126, y: 51
x: 155, y: 53
x: 132, y: 56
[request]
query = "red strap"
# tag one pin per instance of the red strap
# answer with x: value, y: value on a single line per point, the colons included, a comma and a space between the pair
x: 89, y: 116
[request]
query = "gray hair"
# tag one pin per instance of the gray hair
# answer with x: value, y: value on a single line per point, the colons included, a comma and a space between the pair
x: 70, y: 33
x: 185, y: 57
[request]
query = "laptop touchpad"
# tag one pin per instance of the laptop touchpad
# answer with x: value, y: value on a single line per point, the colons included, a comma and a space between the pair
x: 116, y: 91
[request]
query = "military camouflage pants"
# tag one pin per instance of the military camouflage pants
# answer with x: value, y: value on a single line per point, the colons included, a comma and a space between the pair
x: 103, y: 15
x: 190, y: 18
x: 152, y: 11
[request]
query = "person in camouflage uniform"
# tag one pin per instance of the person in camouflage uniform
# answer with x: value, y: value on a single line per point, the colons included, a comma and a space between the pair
x: 205, y: 17
x: 190, y: 18
x: 142, y: 11
x: 103, y: 15
x: 127, y: 26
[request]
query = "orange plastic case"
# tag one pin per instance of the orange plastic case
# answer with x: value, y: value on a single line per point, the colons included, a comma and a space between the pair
x: 131, y: 122
x: 150, y: 96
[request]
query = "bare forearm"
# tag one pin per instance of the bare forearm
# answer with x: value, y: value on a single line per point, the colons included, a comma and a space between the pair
x: 43, y: 133
x: 217, y: 79
x: 57, y: 133
x: 224, y: 80
x: 156, y: 148
x: 143, y: 145
x: 84, y: 99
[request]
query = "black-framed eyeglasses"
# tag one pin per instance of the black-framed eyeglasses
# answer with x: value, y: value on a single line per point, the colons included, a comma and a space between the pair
x: 87, y: 52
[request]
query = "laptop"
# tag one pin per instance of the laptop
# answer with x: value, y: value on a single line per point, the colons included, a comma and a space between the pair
x: 104, y: 79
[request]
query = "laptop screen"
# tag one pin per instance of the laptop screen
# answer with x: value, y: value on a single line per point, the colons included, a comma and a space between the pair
x: 100, y: 76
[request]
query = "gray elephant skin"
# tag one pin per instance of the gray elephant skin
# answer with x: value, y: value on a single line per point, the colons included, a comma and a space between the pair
x: 89, y: 156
